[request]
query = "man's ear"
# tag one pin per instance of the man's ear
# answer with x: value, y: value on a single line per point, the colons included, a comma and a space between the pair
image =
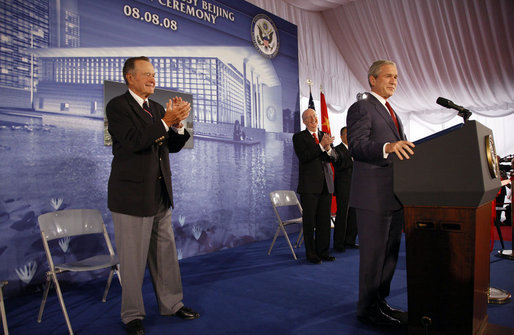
x: 129, y: 77
x: 372, y: 80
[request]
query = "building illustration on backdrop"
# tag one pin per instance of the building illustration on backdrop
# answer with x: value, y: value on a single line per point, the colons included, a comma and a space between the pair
x: 53, y: 76
x: 51, y: 73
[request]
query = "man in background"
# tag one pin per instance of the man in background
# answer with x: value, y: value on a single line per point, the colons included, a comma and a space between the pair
x: 345, y: 227
x: 315, y: 186
x: 374, y: 132
x: 140, y: 194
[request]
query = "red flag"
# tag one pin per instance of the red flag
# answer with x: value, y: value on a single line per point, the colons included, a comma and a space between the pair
x: 325, y: 124
x: 325, y: 127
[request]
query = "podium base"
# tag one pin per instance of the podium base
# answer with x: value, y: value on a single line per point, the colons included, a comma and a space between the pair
x: 498, y: 296
x: 505, y: 254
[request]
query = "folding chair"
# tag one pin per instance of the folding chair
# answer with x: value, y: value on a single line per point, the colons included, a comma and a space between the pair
x: 70, y: 223
x: 282, y: 199
x: 2, y: 307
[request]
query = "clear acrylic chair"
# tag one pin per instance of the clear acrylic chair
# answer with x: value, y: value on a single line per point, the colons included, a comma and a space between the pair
x: 70, y: 223
x: 283, y: 199
x: 2, y: 307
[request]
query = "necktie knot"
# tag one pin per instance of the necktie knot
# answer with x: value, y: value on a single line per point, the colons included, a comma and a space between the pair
x: 315, y: 138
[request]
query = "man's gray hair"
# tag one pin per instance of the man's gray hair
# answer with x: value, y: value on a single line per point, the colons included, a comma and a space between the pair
x: 130, y: 65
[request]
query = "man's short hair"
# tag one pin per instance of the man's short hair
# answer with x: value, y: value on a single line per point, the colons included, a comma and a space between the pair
x: 130, y: 65
x: 342, y: 130
x: 374, y: 69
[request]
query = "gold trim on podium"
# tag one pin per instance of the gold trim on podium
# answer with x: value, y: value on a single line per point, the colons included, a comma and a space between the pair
x: 492, y: 159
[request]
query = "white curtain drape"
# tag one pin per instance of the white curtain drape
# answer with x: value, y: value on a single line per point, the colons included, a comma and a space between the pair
x: 459, y: 49
x: 462, y: 50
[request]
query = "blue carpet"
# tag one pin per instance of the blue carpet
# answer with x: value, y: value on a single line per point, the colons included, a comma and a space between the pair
x: 242, y: 291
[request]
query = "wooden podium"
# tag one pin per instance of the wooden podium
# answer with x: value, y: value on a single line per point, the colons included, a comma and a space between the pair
x: 446, y: 188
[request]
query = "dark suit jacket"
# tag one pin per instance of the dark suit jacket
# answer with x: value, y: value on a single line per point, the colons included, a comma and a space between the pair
x: 343, y: 167
x: 141, y: 150
x: 314, y: 164
x: 370, y: 126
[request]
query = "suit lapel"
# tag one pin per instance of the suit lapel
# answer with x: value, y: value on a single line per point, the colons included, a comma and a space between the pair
x: 137, y: 109
x: 344, y: 150
x: 320, y: 135
x: 401, y: 128
x: 309, y: 136
x: 383, y: 112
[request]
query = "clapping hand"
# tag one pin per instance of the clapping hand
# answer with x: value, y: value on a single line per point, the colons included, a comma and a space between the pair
x: 326, y: 141
x: 177, y: 110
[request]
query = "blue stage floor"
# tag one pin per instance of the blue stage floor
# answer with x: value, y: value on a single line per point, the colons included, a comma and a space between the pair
x: 243, y: 291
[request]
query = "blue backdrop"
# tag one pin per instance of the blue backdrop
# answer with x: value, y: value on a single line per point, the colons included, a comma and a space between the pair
x: 55, y: 57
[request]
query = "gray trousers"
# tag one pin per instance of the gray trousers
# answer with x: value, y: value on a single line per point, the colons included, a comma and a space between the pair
x: 141, y: 241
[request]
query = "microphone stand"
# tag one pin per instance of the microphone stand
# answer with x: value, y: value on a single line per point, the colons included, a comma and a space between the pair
x: 465, y: 114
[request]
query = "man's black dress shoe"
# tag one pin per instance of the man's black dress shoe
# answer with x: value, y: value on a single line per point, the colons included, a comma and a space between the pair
x: 379, y: 319
x: 328, y: 258
x: 135, y: 327
x: 187, y: 313
x: 398, y: 314
x: 352, y: 245
x: 314, y: 260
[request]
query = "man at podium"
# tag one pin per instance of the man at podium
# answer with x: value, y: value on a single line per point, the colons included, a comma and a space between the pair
x: 374, y: 132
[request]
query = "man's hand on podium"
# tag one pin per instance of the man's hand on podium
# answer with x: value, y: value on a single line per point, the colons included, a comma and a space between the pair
x: 401, y: 149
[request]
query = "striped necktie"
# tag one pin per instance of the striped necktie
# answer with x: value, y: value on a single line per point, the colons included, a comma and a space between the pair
x: 146, y: 108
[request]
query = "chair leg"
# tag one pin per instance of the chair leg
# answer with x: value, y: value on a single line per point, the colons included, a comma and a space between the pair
x: 61, y: 301
x: 2, y: 311
x: 118, y: 273
x: 45, y: 295
x: 299, y: 240
x: 108, y: 285
x: 288, y: 242
x: 274, y: 239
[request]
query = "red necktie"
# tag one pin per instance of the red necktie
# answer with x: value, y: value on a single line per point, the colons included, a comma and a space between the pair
x: 393, y: 116
x: 315, y: 138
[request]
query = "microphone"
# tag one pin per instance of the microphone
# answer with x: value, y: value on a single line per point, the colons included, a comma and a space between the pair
x: 463, y: 112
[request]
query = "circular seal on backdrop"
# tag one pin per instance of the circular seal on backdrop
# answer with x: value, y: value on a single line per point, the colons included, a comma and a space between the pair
x: 265, y: 36
x: 492, y: 159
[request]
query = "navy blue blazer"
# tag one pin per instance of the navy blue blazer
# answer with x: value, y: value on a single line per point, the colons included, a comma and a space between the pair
x: 370, y: 126
x: 141, y: 150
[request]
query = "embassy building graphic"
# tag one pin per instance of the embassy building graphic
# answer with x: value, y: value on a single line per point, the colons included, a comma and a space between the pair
x: 51, y: 73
